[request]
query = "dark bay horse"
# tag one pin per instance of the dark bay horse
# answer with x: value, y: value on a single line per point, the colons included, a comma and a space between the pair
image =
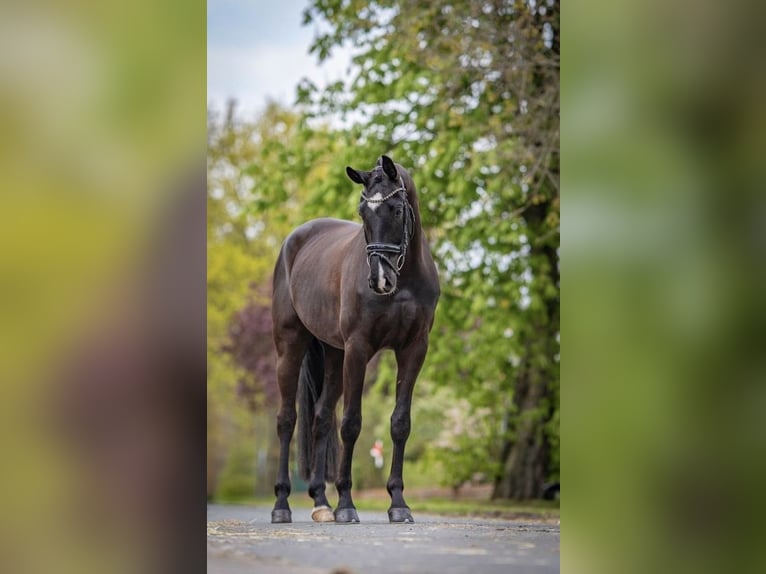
x: 342, y: 292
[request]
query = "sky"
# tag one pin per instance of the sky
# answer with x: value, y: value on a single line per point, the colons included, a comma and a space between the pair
x: 258, y: 50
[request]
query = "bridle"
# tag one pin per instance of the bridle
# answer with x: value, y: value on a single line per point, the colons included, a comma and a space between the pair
x: 400, y: 249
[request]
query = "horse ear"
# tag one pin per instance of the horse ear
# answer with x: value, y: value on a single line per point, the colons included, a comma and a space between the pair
x: 388, y: 167
x: 357, y: 176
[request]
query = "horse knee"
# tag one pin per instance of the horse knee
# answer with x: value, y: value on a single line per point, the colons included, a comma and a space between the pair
x: 351, y: 427
x: 400, y: 426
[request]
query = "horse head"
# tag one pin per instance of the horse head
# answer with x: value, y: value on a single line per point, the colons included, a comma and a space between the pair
x: 388, y: 222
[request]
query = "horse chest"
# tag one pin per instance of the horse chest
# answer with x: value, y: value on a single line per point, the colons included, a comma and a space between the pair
x: 396, y: 324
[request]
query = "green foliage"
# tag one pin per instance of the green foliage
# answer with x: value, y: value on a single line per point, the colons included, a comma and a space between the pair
x: 236, y: 478
x: 464, y: 443
x: 242, y: 247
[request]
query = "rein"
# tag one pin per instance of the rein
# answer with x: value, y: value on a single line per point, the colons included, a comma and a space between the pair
x: 400, y: 249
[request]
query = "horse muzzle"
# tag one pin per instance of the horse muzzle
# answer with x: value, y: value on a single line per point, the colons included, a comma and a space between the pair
x: 382, y: 279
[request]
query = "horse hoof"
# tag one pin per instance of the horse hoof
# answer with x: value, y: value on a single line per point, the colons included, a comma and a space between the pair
x: 281, y: 515
x: 400, y: 515
x: 322, y: 514
x: 347, y: 515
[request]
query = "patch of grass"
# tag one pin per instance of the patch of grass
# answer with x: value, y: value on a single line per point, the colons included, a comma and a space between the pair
x: 488, y: 508
x: 507, y: 509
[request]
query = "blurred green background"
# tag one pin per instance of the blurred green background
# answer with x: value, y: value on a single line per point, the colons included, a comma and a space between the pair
x: 102, y: 109
x: 663, y: 259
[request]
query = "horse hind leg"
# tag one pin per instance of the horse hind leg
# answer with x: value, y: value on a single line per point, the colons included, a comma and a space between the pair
x: 291, y: 345
x: 287, y: 375
x: 324, y: 433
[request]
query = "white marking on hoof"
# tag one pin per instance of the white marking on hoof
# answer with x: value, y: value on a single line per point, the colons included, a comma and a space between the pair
x: 322, y: 514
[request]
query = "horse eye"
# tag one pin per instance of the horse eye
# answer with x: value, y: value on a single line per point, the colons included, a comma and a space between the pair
x: 398, y: 212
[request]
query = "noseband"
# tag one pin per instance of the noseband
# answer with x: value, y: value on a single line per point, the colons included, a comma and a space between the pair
x: 400, y: 249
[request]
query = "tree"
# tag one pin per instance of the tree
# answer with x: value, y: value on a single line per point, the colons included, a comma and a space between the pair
x: 242, y: 245
x: 467, y: 94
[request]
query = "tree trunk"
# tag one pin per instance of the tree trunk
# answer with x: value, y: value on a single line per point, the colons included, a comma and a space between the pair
x: 525, y: 458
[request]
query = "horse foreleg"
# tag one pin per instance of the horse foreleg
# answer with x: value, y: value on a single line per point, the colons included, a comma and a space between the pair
x: 323, y: 426
x: 409, y: 361
x: 288, y: 367
x: 354, y: 365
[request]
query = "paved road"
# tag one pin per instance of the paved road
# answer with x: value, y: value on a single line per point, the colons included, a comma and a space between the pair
x: 242, y: 539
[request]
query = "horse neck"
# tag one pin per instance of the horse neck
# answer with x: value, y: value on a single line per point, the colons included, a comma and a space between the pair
x: 415, y: 246
x: 418, y: 229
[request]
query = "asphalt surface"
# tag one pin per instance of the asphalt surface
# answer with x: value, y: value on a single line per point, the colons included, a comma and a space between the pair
x: 242, y: 539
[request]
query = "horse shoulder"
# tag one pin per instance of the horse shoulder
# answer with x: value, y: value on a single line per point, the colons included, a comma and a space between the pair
x: 310, y: 232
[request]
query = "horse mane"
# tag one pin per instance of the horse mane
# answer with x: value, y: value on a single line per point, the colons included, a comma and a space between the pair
x: 412, y: 194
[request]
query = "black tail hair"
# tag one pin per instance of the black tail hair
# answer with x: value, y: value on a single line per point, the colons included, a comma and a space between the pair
x: 310, y: 385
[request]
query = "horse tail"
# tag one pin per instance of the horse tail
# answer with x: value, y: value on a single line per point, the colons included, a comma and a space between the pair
x: 310, y: 385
